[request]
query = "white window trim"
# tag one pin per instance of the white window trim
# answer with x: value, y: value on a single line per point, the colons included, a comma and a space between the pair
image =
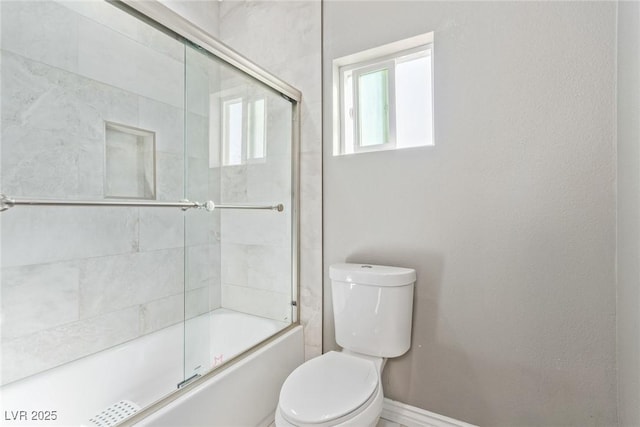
x: 250, y: 103
x: 400, y: 51
x: 391, y: 113
x: 246, y: 102
x: 226, y: 102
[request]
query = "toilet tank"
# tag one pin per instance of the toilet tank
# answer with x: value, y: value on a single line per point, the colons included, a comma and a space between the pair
x: 372, y: 308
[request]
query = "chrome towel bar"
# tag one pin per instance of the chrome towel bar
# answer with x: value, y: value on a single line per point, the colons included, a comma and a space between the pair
x: 209, y: 206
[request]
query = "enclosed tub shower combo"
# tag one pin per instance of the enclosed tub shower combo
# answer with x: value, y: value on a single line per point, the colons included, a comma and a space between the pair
x: 149, y: 209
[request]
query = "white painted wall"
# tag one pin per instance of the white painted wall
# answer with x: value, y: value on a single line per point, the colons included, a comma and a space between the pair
x: 509, y: 220
x: 628, y: 311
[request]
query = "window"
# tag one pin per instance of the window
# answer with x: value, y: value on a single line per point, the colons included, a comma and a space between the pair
x: 385, y: 97
x: 243, y: 130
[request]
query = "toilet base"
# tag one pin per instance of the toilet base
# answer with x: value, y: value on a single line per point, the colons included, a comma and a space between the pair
x: 367, y: 417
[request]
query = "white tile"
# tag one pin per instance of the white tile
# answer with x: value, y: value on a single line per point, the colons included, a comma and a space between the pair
x: 290, y: 51
x: 159, y: 314
x: 109, y: 103
x: 197, y: 179
x: 196, y: 302
x: 200, y: 225
x: 106, y: 55
x: 257, y: 227
x: 43, y: 31
x: 269, y: 181
x: 36, y: 235
x: 310, y: 223
x: 53, y: 129
x: 272, y: 305
x: 202, y: 265
x: 114, y: 282
x: 118, y: 20
x: 197, y: 82
x: 257, y: 266
x: 162, y: 228
x: 201, y: 13
x: 159, y: 77
x: 43, y: 163
x: 311, y: 126
x: 169, y: 176
x: 311, y: 296
x: 166, y: 121
x: 304, y: 73
x: 42, y: 97
x: 91, y: 176
x: 38, y: 297
x: 278, y: 126
x: 43, y: 350
x: 269, y: 268
x: 215, y: 295
x: 197, y: 131
x: 233, y: 184
x: 159, y: 41
x: 104, y: 13
x: 234, y: 263
x: 110, y: 57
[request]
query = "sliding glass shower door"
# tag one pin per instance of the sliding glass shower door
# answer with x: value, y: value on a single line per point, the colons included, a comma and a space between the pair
x: 238, y: 283
x: 147, y: 211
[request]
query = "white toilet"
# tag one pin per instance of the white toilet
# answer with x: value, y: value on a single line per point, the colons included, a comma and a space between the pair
x: 372, y: 307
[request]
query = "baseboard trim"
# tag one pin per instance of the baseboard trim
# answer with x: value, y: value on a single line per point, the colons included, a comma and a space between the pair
x: 411, y: 416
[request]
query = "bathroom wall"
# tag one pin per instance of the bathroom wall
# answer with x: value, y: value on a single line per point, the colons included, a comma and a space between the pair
x: 201, y: 13
x: 91, y: 278
x: 509, y: 219
x: 284, y: 38
x: 628, y: 312
x: 256, y: 246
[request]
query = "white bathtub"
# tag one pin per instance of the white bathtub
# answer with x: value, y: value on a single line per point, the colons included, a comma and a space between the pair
x: 244, y: 395
x: 142, y: 371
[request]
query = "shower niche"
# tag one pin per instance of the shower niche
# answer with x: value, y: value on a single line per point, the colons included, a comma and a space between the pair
x: 130, y: 162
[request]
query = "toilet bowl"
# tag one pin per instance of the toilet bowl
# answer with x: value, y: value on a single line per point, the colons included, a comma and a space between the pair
x: 335, y: 389
x: 372, y: 312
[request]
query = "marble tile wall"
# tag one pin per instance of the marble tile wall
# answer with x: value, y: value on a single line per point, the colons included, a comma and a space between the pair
x: 203, y: 289
x: 256, y: 245
x: 285, y: 38
x: 78, y: 280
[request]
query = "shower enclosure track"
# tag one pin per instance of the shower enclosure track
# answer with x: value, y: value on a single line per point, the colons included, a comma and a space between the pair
x: 209, y: 206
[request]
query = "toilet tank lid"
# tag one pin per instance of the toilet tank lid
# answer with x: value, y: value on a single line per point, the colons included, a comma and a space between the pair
x: 369, y: 274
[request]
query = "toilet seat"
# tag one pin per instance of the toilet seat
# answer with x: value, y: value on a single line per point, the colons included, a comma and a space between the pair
x: 328, y: 388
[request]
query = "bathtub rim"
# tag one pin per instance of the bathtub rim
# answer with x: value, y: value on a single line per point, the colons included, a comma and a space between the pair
x: 200, y: 381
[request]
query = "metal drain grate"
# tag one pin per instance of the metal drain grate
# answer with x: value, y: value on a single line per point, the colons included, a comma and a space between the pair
x: 115, y: 413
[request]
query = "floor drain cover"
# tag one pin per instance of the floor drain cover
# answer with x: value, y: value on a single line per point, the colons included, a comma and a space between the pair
x: 115, y: 413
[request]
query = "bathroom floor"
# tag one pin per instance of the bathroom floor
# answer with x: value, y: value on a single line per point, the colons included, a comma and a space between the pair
x: 381, y: 423
x: 386, y: 423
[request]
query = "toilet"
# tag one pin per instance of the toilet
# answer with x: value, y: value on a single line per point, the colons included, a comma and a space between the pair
x: 372, y: 308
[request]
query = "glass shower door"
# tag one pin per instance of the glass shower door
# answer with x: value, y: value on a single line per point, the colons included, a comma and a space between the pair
x: 92, y: 298
x: 109, y: 291
x: 239, y: 275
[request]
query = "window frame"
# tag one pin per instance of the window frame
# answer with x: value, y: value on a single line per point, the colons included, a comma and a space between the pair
x: 382, y: 57
x: 389, y: 66
x: 247, y: 103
